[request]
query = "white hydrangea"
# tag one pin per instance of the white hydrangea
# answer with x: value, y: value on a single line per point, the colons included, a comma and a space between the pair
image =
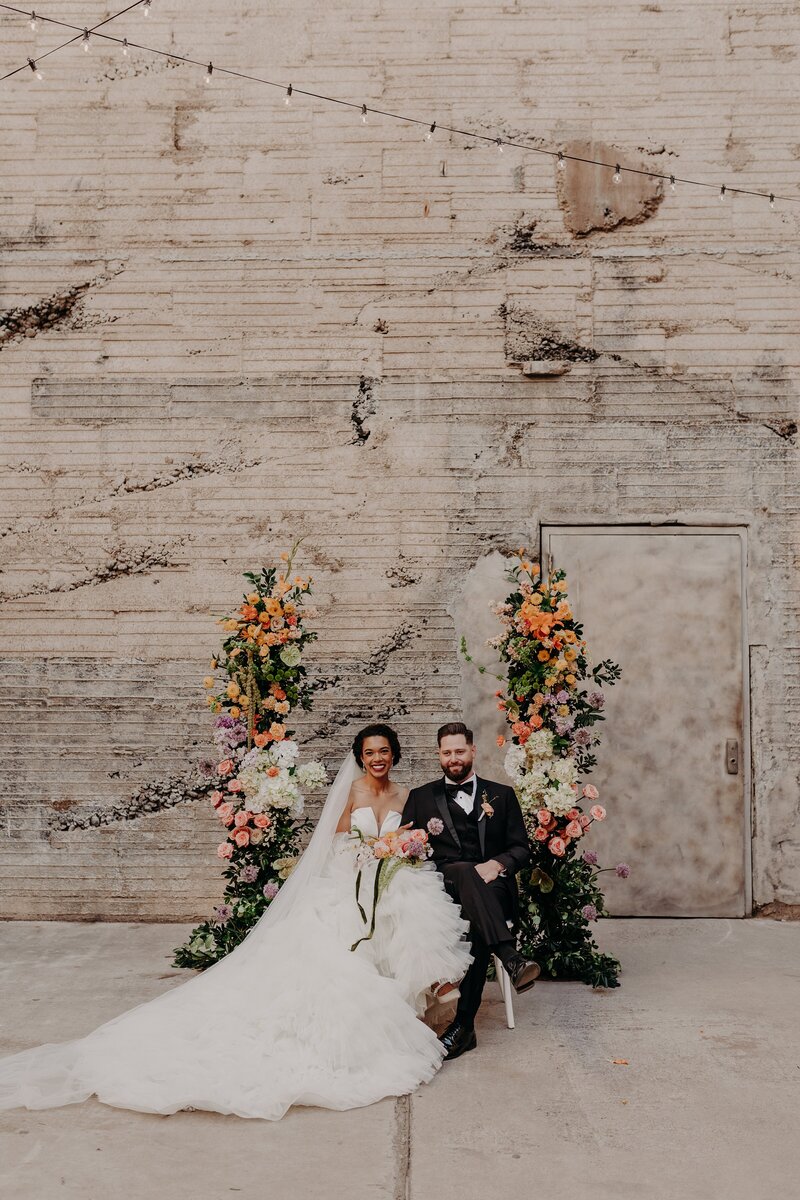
x: 560, y: 800
x: 563, y: 770
x: 284, y: 754
x: 311, y: 775
x: 515, y: 761
x: 539, y: 745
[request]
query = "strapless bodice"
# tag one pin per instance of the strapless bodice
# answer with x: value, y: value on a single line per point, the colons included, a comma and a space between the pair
x: 364, y: 820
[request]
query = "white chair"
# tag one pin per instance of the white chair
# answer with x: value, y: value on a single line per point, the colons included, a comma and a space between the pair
x: 506, y: 990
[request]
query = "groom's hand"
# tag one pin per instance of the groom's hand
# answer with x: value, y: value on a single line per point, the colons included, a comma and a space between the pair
x: 490, y: 870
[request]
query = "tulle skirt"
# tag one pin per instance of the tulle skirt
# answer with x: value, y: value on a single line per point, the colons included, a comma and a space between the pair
x: 293, y: 1018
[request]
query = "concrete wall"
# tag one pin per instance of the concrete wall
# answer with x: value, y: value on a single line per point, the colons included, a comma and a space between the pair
x: 227, y: 323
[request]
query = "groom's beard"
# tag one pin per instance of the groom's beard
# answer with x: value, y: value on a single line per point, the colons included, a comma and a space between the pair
x: 458, y: 773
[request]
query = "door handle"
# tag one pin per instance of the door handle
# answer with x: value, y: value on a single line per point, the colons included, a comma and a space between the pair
x: 732, y: 756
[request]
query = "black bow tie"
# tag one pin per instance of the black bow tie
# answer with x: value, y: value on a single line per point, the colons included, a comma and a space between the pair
x: 452, y: 789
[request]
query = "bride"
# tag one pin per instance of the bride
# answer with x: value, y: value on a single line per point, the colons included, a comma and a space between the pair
x: 292, y: 1015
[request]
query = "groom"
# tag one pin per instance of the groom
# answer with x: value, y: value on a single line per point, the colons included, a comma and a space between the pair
x: 482, y: 844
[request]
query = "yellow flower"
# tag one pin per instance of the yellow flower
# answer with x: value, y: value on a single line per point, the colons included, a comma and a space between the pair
x: 235, y: 712
x: 570, y: 680
x: 535, y: 598
x: 563, y: 710
x: 570, y: 655
x: 253, y: 598
x: 208, y: 681
x: 244, y: 701
x: 213, y: 664
x: 543, y: 655
x: 231, y: 624
x: 550, y: 680
x: 233, y: 689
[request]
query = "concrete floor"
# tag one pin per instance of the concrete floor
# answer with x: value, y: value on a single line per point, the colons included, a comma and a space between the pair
x: 707, y: 1107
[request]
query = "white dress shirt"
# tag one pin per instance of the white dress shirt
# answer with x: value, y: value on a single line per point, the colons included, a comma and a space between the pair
x: 465, y: 797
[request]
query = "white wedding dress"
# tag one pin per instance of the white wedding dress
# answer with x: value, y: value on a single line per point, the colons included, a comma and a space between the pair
x: 292, y: 1015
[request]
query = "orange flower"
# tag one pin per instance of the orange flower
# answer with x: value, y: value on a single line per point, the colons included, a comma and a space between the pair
x: 273, y: 772
x: 278, y: 731
x: 277, y: 691
x: 543, y: 656
x: 249, y: 612
x: 501, y: 741
x: 536, y: 721
x: 261, y: 740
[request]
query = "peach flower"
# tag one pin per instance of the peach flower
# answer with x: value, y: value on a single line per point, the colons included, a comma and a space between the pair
x: 226, y: 766
x: 241, y: 819
x: 225, y: 813
x: 573, y: 814
x: 585, y: 820
x: 224, y: 850
x: 545, y: 818
x: 278, y: 731
x: 598, y: 812
x: 541, y: 834
x: 591, y: 792
x: 216, y: 798
x: 557, y: 846
x: 262, y: 820
x: 574, y: 829
x: 256, y: 836
x: 273, y: 772
x: 241, y: 837
x: 261, y: 740
x: 501, y: 741
x: 235, y: 785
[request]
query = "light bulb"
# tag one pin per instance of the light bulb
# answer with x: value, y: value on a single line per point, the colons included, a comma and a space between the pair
x: 672, y: 183
x: 431, y: 132
x: 125, y: 47
x: 363, y: 114
x: 33, y: 22
x: 772, y: 201
x: 722, y: 191
x: 35, y: 69
x: 499, y: 143
x: 562, y: 162
x: 617, y: 174
x: 85, y: 40
x: 288, y: 99
x: 209, y: 72
x: 147, y: 8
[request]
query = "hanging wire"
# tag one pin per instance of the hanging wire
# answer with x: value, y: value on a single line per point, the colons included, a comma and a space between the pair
x: 558, y: 155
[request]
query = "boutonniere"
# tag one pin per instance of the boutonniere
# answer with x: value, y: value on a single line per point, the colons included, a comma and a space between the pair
x: 486, y: 806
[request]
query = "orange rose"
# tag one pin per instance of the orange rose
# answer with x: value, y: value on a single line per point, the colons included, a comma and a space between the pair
x: 278, y: 731
x: 261, y: 740
x: 273, y: 772
x: 242, y: 837
x: 536, y: 721
x: 249, y: 612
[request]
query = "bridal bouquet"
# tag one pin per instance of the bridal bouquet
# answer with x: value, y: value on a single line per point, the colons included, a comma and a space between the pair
x: 391, y: 851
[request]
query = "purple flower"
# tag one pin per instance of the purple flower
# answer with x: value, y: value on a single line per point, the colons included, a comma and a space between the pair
x: 249, y: 874
x: 563, y: 725
x: 623, y: 870
x: 224, y: 722
x: 435, y: 826
x: 562, y: 697
x: 590, y: 912
x: 581, y: 737
x: 596, y: 699
x: 270, y: 890
x: 590, y: 857
x: 223, y: 913
x: 416, y: 848
x: 207, y: 767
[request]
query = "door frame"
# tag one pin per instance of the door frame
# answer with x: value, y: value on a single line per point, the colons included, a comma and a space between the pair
x: 602, y: 528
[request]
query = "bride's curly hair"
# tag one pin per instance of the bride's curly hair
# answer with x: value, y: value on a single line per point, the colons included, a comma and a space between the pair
x: 376, y: 730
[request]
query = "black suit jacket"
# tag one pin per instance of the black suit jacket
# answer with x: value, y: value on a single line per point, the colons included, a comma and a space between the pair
x: 503, y: 836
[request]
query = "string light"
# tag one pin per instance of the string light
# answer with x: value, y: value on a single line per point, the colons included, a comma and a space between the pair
x: 363, y: 114
x: 209, y: 72
x: 562, y: 158
x: 125, y: 47
x: 35, y: 69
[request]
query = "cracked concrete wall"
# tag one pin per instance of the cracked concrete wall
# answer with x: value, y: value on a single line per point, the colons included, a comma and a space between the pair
x: 224, y: 323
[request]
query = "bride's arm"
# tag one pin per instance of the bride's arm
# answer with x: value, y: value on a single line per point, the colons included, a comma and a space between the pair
x: 344, y: 820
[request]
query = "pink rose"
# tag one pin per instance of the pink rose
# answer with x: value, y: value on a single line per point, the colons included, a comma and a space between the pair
x: 262, y: 820
x: 573, y: 814
x: 574, y: 829
x: 546, y: 818
x: 224, y: 850
x: 242, y: 837
x: 381, y: 850
x: 216, y: 798
x: 598, y: 812
x: 226, y: 766
x: 590, y: 792
x: 585, y: 820
x: 235, y: 785
x: 241, y: 819
x: 541, y: 834
x: 225, y: 813
x: 557, y: 846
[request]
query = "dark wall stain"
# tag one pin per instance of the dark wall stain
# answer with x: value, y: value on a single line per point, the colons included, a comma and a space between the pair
x: 364, y: 406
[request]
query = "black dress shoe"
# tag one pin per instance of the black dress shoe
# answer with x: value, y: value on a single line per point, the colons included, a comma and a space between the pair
x: 457, y: 1039
x: 523, y: 973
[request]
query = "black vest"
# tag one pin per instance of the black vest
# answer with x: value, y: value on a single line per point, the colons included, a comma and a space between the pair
x: 467, y: 830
